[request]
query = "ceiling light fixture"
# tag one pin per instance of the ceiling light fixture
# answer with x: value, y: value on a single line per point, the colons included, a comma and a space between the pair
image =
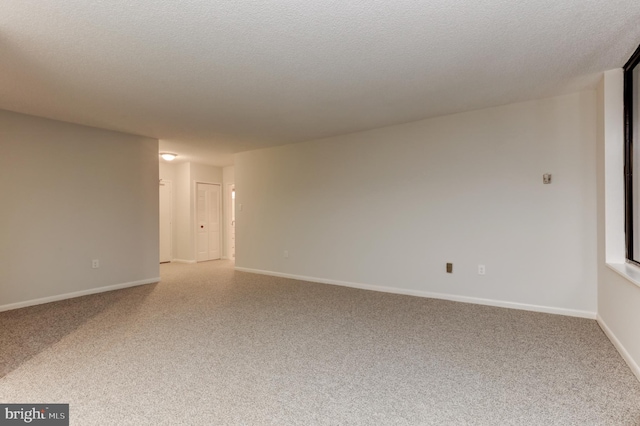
x: 168, y: 156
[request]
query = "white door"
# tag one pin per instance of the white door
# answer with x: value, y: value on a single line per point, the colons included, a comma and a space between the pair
x: 208, y: 221
x: 166, y: 219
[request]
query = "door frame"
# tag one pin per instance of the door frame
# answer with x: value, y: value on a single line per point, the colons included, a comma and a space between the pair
x: 194, y: 216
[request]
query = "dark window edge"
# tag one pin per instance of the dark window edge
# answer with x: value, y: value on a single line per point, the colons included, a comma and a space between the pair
x: 628, y: 68
x: 633, y: 60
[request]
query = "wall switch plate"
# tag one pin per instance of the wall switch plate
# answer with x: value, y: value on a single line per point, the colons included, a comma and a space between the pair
x: 286, y: 254
x: 481, y: 270
x: 449, y: 268
x: 546, y: 178
x: 95, y: 264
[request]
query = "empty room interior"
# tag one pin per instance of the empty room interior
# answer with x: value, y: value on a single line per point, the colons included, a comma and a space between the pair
x: 321, y: 213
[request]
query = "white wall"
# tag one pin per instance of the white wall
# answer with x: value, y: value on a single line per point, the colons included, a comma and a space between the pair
x: 389, y: 207
x: 228, y: 174
x: 206, y: 173
x: 72, y: 194
x: 618, y: 295
x: 182, y: 197
x: 168, y: 172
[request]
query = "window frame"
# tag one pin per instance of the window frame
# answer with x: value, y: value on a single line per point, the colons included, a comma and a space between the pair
x: 628, y: 68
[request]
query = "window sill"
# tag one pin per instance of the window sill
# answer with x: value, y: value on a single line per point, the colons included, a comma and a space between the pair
x: 628, y: 271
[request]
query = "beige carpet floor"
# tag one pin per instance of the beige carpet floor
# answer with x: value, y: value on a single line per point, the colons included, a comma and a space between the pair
x: 211, y: 346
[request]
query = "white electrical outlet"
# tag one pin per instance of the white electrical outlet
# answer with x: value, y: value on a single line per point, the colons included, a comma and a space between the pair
x: 286, y: 254
x: 481, y: 270
x: 95, y: 264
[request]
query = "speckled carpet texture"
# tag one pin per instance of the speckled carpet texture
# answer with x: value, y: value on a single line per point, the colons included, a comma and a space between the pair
x: 211, y: 346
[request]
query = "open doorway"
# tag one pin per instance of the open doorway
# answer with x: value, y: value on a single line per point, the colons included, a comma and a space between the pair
x: 189, y: 232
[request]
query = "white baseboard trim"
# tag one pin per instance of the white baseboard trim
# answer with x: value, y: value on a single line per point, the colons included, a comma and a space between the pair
x: 64, y: 296
x: 431, y: 295
x: 633, y: 365
x: 182, y: 261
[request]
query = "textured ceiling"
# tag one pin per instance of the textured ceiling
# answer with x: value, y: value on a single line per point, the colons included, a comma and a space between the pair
x: 210, y: 78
